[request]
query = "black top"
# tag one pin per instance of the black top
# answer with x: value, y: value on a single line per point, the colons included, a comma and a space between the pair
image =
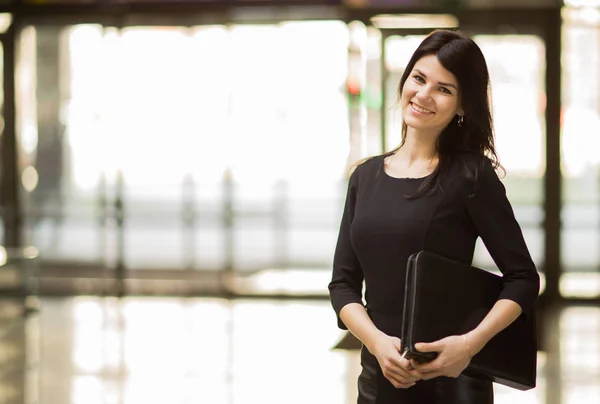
x: 381, y: 228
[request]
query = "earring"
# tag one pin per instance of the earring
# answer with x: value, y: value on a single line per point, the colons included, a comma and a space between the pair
x: 460, y: 120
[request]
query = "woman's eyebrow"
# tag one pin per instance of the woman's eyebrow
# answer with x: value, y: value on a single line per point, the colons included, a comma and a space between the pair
x: 439, y: 82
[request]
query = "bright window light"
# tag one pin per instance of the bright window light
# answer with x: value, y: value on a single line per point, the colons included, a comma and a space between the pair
x: 414, y: 21
x: 5, y: 22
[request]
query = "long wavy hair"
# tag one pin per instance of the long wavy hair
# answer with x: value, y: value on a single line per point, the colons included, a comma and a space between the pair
x: 474, y: 139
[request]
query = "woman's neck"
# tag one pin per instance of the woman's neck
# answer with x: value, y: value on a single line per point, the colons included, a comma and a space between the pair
x: 418, y: 147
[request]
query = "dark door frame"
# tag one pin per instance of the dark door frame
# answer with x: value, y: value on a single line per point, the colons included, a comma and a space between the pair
x: 10, y: 201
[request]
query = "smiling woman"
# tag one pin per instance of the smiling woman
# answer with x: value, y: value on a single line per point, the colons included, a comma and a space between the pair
x: 445, y: 103
x: 437, y: 191
x: 430, y: 98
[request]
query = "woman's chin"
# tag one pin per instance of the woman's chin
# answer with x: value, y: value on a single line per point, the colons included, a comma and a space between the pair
x: 419, y: 124
x: 416, y: 123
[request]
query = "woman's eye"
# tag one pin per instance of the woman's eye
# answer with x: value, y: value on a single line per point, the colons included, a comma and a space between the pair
x: 419, y: 79
x: 445, y: 90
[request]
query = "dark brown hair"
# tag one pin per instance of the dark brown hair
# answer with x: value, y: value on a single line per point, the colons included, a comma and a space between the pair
x: 473, y: 141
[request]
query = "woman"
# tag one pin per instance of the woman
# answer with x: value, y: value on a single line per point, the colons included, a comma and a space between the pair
x: 437, y: 191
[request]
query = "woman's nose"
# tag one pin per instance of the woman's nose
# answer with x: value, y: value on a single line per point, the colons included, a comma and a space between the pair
x: 424, y: 93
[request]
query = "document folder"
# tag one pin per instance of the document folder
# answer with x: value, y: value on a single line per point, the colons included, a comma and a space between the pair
x: 444, y: 297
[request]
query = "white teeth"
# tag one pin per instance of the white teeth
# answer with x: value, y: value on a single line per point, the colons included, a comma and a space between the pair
x: 418, y: 108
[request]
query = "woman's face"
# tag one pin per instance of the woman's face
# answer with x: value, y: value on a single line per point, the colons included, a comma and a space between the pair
x: 430, y: 97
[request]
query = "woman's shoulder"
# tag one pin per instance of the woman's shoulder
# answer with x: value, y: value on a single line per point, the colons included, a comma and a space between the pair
x: 367, y: 166
x: 474, y: 166
x: 478, y: 173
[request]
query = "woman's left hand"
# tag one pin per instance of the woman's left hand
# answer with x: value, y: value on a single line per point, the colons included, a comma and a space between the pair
x: 453, y: 357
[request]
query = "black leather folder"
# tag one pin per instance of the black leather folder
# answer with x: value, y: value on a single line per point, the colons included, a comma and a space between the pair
x: 444, y: 297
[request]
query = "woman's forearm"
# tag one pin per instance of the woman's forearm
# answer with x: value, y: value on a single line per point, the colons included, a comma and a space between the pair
x: 359, y: 323
x: 500, y: 316
x: 503, y: 313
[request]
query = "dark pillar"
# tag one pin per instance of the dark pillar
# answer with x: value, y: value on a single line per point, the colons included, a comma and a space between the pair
x: 10, y: 177
x: 553, y: 195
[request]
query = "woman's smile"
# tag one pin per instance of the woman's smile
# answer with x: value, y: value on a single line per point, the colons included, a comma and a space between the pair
x: 420, y: 110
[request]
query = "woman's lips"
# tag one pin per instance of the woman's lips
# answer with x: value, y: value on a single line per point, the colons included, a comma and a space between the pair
x: 419, y: 109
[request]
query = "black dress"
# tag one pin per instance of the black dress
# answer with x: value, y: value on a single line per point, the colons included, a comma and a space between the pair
x: 381, y: 228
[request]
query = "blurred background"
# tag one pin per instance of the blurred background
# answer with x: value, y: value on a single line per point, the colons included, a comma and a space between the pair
x: 173, y: 174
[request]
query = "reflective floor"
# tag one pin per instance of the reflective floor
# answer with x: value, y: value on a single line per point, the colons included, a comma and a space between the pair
x: 91, y: 350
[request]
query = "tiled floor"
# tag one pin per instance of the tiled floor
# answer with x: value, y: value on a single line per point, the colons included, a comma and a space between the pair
x: 91, y: 350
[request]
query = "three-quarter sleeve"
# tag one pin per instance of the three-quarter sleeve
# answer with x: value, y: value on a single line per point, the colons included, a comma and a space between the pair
x: 347, y: 277
x: 494, y: 219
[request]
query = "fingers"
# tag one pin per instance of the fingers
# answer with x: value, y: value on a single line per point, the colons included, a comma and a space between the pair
x: 424, y: 368
x: 400, y: 375
x: 429, y: 346
x: 452, y: 359
x: 405, y: 375
x: 415, y: 374
x: 439, y: 367
x: 398, y: 381
x: 396, y: 369
x: 433, y: 366
x: 407, y: 366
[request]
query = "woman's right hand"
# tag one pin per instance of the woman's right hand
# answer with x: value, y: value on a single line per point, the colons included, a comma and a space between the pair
x: 396, y: 369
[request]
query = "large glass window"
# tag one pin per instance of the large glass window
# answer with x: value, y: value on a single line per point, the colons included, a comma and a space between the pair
x: 518, y: 98
x: 223, y: 145
x: 580, y: 141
